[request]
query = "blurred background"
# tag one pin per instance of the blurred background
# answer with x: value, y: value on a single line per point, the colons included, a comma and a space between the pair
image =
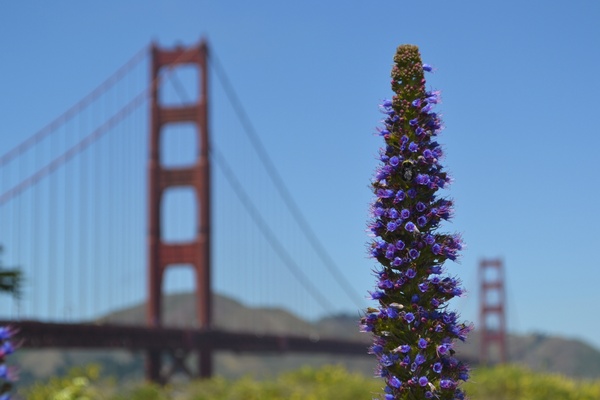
x: 519, y: 89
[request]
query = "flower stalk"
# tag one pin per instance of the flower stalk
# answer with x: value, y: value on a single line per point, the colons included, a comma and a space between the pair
x: 7, y: 374
x: 414, y: 332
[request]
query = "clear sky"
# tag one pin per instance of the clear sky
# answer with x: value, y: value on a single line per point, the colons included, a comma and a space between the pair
x: 520, y: 88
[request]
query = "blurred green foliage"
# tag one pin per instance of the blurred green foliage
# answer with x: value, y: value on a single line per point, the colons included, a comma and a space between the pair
x: 330, y: 382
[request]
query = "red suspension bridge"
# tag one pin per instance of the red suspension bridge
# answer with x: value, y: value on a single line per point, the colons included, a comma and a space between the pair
x: 107, y: 207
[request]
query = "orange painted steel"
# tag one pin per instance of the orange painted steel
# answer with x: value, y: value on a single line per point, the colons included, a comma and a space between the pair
x: 195, y: 253
x: 492, y: 309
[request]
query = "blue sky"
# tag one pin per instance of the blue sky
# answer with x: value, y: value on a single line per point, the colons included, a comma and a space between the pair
x: 520, y: 100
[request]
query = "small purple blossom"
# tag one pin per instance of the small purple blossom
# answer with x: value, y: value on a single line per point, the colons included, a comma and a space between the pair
x: 447, y: 384
x: 391, y: 226
x: 413, y: 147
x: 385, y: 193
x: 423, y: 381
x: 395, y: 382
x: 422, y: 343
x: 410, y: 227
x: 409, y: 317
x: 399, y: 196
x: 427, y: 67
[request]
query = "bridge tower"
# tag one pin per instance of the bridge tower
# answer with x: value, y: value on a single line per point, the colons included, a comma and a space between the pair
x: 195, y: 253
x: 492, y: 317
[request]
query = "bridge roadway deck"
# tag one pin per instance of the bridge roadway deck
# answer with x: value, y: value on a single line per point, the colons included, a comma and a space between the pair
x: 35, y: 334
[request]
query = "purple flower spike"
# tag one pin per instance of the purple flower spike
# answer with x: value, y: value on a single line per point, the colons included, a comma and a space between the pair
x: 412, y: 290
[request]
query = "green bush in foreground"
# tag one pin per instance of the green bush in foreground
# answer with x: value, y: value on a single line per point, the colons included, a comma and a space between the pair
x: 517, y: 383
x: 326, y: 383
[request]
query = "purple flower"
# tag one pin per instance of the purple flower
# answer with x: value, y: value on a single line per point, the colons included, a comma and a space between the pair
x: 399, y: 196
x: 437, y: 368
x: 413, y: 253
x: 394, y: 161
x: 410, y: 227
x: 420, y: 359
x: 378, y: 211
x: 386, y: 103
x: 422, y: 343
x: 409, y: 317
x: 404, y: 214
x: 376, y: 295
x: 377, y: 349
x: 397, y: 262
x: 421, y: 221
x: 404, y: 348
x: 427, y: 67
x: 391, y: 226
x: 385, y: 193
x: 422, y: 179
x: 447, y: 384
x: 436, y: 249
x: 6, y: 332
x: 395, y: 382
x: 420, y: 206
x: 411, y: 273
x: 443, y: 348
x: 385, y: 284
x: 423, y: 381
x: 413, y: 147
x: 413, y: 122
x: 400, y: 245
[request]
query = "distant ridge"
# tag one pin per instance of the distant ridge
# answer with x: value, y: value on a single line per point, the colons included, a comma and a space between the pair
x: 539, y: 352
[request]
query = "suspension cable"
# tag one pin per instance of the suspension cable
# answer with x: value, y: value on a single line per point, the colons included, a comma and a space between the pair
x: 279, y: 183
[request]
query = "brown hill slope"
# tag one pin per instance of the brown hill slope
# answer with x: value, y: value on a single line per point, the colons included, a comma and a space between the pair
x: 570, y: 357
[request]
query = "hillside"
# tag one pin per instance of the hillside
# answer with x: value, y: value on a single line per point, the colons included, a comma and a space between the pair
x: 542, y: 353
